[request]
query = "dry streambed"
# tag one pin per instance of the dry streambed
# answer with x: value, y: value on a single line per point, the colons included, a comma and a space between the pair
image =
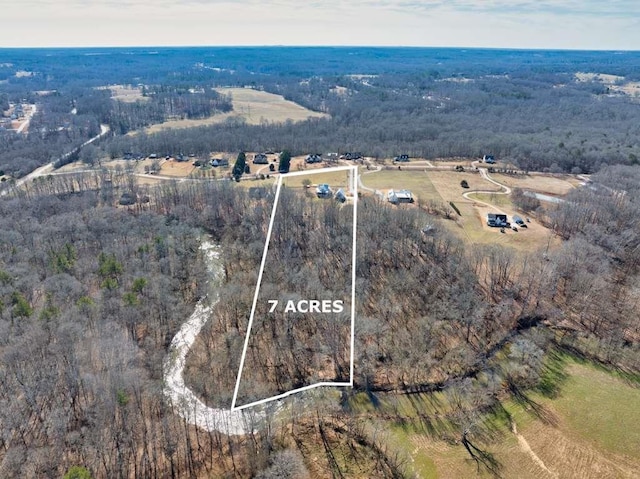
x: 182, y: 399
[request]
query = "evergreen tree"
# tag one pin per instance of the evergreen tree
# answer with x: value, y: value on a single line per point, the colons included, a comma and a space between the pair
x: 285, y: 162
x: 239, y: 166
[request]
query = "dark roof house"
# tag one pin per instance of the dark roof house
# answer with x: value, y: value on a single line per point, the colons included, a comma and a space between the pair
x: 323, y: 191
x: 260, y: 159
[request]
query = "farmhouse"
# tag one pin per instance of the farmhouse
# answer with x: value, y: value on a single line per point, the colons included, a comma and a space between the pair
x: 323, y: 191
x: 497, y: 220
x: 399, y: 196
x: 219, y: 162
x: 401, y: 158
x: 313, y: 159
x: 260, y: 159
x: 489, y: 159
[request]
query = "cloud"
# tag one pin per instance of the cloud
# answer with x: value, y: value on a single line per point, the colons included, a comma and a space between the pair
x: 481, y: 23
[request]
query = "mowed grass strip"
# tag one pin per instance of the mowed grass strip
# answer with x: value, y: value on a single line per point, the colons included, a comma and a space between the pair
x: 335, y: 179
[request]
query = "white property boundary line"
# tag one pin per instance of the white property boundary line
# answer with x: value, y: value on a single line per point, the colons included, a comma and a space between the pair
x: 354, y: 184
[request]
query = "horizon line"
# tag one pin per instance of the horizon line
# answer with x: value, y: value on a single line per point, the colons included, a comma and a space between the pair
x: 374, y: 46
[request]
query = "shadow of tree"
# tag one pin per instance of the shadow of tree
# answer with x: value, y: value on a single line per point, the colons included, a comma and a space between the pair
x: 483, y: 459
x: 533, y: 407
x: 553, y: 375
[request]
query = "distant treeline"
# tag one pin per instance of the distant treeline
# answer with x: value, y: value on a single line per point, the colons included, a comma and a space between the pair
x: 66, y: 118
x: 526, y: 107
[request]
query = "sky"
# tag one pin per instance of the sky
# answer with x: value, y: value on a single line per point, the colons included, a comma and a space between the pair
x: 556, y: 24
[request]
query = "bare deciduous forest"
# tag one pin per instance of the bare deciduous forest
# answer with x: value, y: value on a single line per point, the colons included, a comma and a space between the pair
x: 92, y: 292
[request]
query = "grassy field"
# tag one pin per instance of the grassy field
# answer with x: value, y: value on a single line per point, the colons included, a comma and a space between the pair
x: 336, y: 179
x: 177, y: 168
x: 586, y: 431
x: 606, y: 408
x: 552, y: 185
x: 502, y: 201
x: 252, y: 106
x: 444, y: 186
x: 418, y: 182
x: 253, y: 182
x: 125, y: 93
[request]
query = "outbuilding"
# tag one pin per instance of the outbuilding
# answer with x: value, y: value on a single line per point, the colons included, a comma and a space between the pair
x: 399, y: 196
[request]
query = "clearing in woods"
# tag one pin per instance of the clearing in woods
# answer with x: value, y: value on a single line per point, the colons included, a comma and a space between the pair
x: 125, y: 93
x: 251, y: 106
x: 471, y: 226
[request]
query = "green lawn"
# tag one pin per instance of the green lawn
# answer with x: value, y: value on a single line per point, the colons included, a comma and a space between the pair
x: 601, y: 408
x: 336, y: 179
x: 418, y: 182
x: 419, y: 463
x: 593, y: 430
x: 502, y: 201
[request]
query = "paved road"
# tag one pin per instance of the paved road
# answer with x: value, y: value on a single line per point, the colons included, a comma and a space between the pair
x: 28, y: 120
x: 48, y: 168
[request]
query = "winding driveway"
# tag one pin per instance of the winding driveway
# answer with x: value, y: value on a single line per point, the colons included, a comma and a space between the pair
x: 365, y: 188
x: 485, y: 175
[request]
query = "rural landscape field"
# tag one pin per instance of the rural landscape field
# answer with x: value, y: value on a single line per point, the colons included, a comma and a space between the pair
x: 319, y: 262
